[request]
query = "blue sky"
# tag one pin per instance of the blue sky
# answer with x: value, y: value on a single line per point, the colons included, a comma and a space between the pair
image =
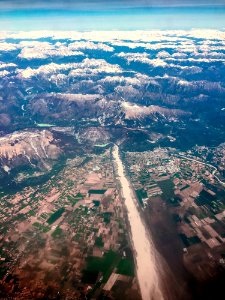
x: 111, y: 15
x: 105, y: 4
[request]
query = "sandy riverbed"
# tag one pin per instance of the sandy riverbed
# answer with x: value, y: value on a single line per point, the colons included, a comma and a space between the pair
x: 145, y: 253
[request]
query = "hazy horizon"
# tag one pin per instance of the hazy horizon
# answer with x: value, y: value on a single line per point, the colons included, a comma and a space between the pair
x: 113, y: 19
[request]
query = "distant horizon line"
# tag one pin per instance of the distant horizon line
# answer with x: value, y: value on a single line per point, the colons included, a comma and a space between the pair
x: 105, y: 9
x: 110, y: 30
x: 116, y: 11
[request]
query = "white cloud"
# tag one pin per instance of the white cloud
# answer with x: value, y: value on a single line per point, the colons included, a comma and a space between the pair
x: 7, y: 65
x: 84, y: 68
x: 190, y: 69
x: 179, y: 55
x: 31, y: 53
x: 108, y: 36
x: 43, y: 50
x: 33, y: 44
x: 4, y: 73
x: 136, y: 81
x: 45, y: 69
x: 183, y: 82
x: 208, y: 34
x: 195, y: 60
x: 163, y: 54
x: 142, y: 58
x: 119, y: 80
x: 198, y: 85
x: 5, y: 47
x: 209, y: 55
x: 89, y: 67
x: 87, y: 45
x: 145, y: 45
x: 58, y: 78
x: 161, y: 46
x: 28, y: 72
x: 188, y: 49
x: 32, y: 35
x: 130, y: 45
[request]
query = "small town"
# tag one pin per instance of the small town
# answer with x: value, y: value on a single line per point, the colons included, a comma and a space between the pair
x: 192, y: 192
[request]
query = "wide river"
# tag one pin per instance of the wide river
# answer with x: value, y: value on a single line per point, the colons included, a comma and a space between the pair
x: 145, y: 253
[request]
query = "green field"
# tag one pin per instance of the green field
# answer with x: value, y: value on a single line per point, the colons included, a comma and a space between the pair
x: 56, y: 215
x: 167, y: 186
x: 104, y: 264
x: 97, y: 192
x: 126, y: 267
x: 140, y: 195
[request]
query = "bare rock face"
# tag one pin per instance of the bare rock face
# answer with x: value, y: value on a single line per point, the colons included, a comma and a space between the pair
x: 34, y: 149
x: 134, y: 111
x: 66, y: 107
